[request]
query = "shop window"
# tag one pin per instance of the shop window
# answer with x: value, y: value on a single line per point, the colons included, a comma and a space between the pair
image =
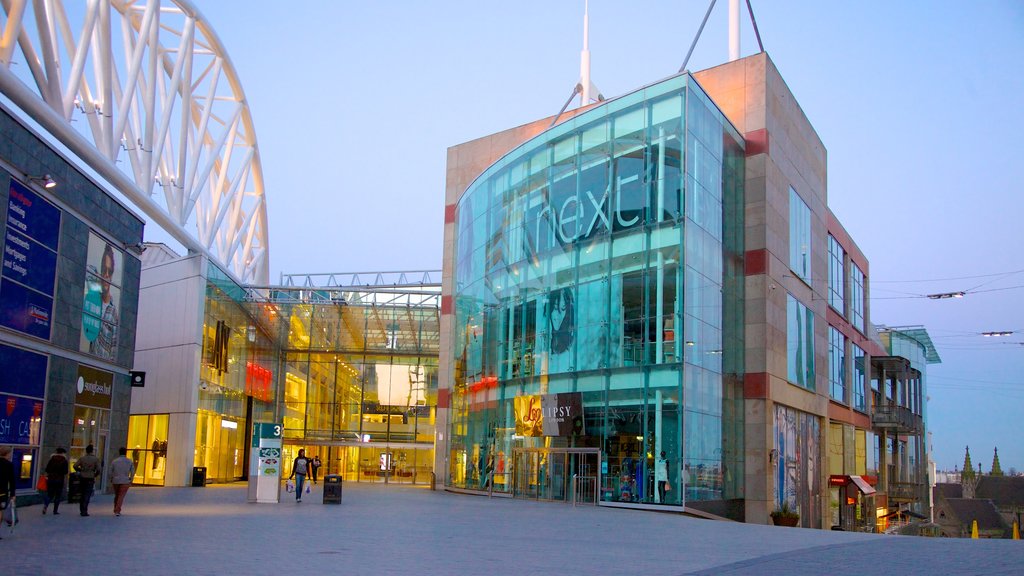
x: 147, y: 447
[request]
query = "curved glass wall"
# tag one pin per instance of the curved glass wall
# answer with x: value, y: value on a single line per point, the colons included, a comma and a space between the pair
x: 598, y: 317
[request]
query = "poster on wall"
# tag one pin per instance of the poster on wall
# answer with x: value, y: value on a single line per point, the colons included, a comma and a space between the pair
x: 101, y: 300
x: 29, y: 262
x: 549, y: 414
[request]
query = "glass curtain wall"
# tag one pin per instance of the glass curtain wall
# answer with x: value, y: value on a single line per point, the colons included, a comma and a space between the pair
x: 361, y: 383
x: 598, y: 305
x: 235, y: 380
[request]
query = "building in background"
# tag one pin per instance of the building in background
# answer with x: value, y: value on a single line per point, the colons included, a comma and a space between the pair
x: 660, y: 273
x: 349, y: 372
x: 68, y: 303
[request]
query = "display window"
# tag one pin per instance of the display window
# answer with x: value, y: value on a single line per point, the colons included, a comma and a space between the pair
x: 147, y: 447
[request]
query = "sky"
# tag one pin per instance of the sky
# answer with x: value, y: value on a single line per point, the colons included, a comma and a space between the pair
x: 917, y: 103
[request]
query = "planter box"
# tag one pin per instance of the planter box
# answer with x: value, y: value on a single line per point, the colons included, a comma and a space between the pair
x: 786, y: 520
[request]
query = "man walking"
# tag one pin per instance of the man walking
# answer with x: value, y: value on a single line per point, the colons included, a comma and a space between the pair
x: 122, y: 469
x: 7, y: 479
x: 88, y: 468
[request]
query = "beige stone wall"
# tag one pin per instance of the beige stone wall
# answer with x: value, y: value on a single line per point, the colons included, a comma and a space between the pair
x: 783, y: 151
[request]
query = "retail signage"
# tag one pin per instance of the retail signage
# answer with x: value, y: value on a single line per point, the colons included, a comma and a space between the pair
x: 30, y: 377
x: 29, y: 262
x: 33, y: 216
x: 258, y: 381
x: 261, y: 430
x: 20, y: 419
x: 94, y: 387
x: 549, y: 414
x: 265, y: 462
x: 25, y: 310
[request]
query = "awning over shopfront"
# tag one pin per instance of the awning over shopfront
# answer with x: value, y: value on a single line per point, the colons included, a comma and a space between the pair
x: 862, y: 485
x: 842, y: 480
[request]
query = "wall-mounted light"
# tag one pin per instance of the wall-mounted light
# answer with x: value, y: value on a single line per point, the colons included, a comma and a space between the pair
x: 46, y: 181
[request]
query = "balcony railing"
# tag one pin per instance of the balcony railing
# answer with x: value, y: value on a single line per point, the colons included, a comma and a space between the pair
x: 906, y: 491
x: 902, y: 419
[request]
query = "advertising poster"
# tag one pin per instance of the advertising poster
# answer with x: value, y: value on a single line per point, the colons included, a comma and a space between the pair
x: 549, y: 415
x: 29, y: 262
x: 102, y: 299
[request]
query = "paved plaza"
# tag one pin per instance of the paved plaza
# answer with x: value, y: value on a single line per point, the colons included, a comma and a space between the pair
x: 384, y: 530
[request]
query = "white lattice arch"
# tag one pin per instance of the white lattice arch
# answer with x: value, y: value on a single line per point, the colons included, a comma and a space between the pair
x: 144, y: 92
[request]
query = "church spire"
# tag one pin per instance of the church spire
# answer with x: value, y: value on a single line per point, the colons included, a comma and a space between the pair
x: 968, y: 473
x: 996, y: 469
x: 968, y: 478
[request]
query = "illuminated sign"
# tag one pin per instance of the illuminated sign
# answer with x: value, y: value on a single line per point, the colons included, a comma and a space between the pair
x: 549, y: 415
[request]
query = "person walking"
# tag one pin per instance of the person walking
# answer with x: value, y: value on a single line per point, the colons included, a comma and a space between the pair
x: 299, y: 469
x: 122, y: 469
x: 88, y: 468
x: 56, y: 473
x: 7, y: 478
x: 314, y: 465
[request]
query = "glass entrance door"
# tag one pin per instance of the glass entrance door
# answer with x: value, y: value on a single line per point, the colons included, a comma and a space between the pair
x: 554, y: 473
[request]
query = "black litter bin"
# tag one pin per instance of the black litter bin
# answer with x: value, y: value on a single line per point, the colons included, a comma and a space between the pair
x: 199, y: 476
x: 74, y: 487
x: 332, y: 489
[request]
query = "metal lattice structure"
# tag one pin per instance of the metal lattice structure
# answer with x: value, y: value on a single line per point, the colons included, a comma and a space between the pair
x: 145, y: 94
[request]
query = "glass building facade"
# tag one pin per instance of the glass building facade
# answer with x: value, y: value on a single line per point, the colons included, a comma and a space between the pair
x: 359, y: 385
x: 598, y: 308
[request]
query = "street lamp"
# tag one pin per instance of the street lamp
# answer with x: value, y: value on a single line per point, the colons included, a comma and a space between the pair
x: 943, y: 295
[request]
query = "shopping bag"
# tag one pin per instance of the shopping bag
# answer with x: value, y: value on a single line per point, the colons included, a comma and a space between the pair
x: 668, y: 487
x: 41, y: 484
x: 10, y: 517
x: 307, y: 488
x: 289, y: 486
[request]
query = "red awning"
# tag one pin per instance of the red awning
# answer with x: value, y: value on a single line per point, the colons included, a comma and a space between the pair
x: 862, y: 485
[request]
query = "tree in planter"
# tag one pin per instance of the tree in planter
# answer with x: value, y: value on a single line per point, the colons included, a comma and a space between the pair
x: 785, y: 516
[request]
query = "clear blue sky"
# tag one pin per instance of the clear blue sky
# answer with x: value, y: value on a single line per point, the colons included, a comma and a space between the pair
x: 918, y: 104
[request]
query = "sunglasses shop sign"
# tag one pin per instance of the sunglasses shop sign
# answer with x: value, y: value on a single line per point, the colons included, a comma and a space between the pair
x: 549, y: 414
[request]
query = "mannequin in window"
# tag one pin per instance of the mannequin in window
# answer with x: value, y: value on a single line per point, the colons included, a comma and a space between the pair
x: 661, y: 475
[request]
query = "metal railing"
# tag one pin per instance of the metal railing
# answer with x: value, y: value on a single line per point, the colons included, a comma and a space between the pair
x: 906, y: 491
x: 892, y: 416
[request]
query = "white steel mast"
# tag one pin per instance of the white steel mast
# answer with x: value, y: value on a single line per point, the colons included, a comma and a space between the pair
x: 588, y: 92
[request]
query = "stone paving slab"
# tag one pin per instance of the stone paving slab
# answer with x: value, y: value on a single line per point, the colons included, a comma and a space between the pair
x: 385, y: 530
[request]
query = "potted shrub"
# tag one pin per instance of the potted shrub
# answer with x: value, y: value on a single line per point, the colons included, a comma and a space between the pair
x: 785, y: 516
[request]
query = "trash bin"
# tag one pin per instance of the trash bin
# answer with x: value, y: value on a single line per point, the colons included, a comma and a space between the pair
x: 199, y: 476
x: 74, y: 487
x: 332, y: 489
